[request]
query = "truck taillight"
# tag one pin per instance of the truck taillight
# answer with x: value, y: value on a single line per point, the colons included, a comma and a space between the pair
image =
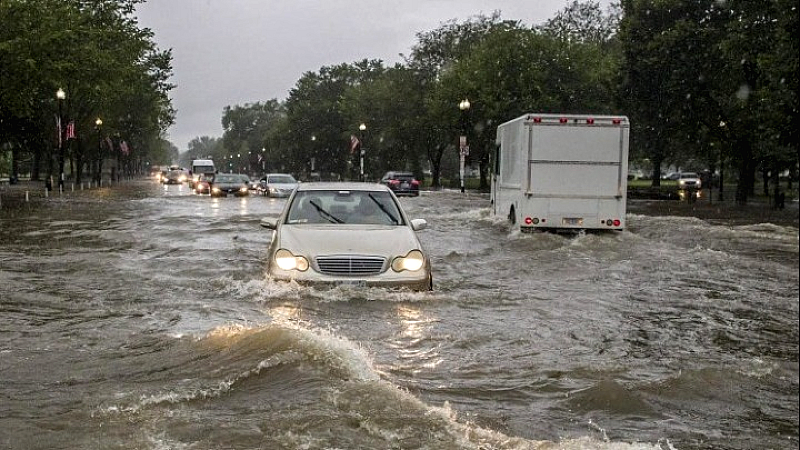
x: 613, y: 222
x: 590, y: 121
x: 616, y: 121
x: 563, y: 120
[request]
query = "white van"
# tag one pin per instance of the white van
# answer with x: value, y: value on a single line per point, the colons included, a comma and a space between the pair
x: 200, y: 167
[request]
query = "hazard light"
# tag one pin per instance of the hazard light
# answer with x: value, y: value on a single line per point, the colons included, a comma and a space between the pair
x: 590, y: 121
x: 616, y: 121
x: 563, y: 120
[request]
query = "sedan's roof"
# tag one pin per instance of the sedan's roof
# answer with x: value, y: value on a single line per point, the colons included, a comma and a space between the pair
x: 341, y: 186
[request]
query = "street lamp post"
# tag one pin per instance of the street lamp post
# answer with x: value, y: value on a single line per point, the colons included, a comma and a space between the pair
x: 463, y: 148
x: 361, y: 152
x: 60, y: 96
x: 99, y: 167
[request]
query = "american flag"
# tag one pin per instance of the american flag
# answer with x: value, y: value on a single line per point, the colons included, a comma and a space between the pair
x: 354, y: 143
x: 70, y: 130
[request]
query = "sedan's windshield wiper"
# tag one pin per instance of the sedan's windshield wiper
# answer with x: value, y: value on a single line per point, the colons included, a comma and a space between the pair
x: 385, y: 211
x: 328, y: 216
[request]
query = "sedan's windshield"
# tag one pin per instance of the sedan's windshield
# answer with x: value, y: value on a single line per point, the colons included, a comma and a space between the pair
x: 226, y: 178
x: 281, y: 179
x: 344, y: 207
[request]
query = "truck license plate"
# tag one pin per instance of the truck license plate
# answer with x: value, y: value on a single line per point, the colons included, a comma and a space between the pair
x: 572, y: 221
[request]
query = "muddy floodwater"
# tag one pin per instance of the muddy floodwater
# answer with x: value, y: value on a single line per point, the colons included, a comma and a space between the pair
x: 140, y: 317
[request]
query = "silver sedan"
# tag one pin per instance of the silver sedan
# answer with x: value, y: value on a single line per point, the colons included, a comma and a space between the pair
x: 347, y: 234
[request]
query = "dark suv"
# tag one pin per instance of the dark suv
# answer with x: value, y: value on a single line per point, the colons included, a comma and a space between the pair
x: 401, y: 183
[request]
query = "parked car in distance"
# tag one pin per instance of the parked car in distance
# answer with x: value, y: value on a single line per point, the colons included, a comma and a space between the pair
x: 401, y: 183
x: 635, y: 174
x: 347, y: 233
x: 277, y: 185
x: 223, y: 184
x: 689, y: 180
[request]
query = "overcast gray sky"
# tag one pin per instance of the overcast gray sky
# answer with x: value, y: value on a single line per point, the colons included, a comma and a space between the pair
x: 232, y: 52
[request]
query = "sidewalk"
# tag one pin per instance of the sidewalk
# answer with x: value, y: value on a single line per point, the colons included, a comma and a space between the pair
x: 32, y: 193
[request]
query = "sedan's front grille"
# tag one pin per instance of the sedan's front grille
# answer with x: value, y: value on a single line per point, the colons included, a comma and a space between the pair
x: 350, y: 265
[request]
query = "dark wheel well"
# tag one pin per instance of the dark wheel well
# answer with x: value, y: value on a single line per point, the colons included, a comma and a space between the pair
x: 512, y: 216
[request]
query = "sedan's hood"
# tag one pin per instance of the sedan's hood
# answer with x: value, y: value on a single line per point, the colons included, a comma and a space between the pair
x: 379, y: 240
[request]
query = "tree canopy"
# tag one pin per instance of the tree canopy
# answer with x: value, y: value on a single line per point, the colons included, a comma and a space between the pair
x: 706, y: 85
x: 106, y: 65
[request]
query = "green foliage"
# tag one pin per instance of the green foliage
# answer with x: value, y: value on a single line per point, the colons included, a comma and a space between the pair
x: 94, y: 51
x: 706, y: 84
x: 703, y: 83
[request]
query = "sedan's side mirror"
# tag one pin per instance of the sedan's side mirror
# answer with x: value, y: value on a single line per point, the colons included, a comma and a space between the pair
x: 269, y: 224
x: 419, y: 224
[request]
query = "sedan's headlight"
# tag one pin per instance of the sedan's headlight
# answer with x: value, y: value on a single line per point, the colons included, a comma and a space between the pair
x: 413, y: 261
x: 216, y: 189
x: 287, y: 261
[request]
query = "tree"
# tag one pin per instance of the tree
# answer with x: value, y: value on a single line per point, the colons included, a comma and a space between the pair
x: 319, y: 131
x: 704, y: 75
x: 96, y: 53
x: 434, y: 56
x: 245, y: 130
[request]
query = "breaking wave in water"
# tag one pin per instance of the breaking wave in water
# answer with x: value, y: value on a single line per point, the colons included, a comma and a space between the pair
x: 314, y: 390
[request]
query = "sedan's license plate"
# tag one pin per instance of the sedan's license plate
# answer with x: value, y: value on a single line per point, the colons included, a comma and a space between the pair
x: 572, y: 221
x: 353, y: 283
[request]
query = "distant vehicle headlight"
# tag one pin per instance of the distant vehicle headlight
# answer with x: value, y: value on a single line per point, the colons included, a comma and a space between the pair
x: 413, y: 261
x: 243, y: 189
x: 216, y: 189
x: 287, y: 261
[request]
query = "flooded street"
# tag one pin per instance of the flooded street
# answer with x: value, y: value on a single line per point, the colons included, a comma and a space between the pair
x: 140, y: 318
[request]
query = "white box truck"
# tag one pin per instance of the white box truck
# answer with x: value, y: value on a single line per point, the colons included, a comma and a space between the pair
x: 201, y: 167
x: 562, y: 172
